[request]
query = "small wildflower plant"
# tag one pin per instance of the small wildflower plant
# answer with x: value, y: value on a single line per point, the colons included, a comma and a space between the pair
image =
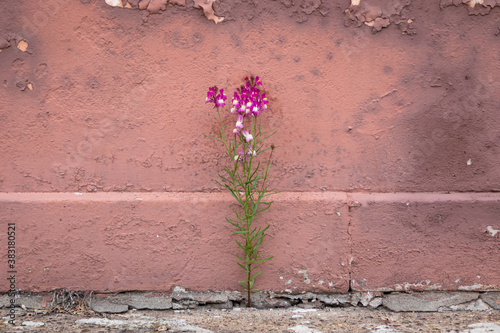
x: 246, y: 176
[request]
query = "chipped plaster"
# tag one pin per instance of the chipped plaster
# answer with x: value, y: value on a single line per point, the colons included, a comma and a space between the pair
x: 157, y: 6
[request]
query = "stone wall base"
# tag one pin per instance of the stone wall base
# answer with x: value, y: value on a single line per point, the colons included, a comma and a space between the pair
x: 182, y: 299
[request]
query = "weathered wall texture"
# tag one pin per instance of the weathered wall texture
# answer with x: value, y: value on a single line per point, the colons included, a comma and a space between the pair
x: 369, y: 98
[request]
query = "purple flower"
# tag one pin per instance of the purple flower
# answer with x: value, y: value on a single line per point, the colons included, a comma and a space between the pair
x: 221, y: 98
x: 236, y: 100
x: 215, y: 96
x: 212, y: 91
x: 255, y: 111
x: 251, y: 152
x: 264, y: 99
x: 240, y: 157
x: 247, y: 135
x: 249, y: 101
x: 239, y: 124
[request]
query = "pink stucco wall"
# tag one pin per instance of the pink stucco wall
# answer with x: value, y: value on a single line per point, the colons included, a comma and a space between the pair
x: 388, y: 157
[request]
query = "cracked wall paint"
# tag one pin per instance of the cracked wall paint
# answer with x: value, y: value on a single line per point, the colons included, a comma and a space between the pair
x: 379, y: 14
x: 474, y: 7
x: 158, y: 6
x: 208, y: 10
x: 394, y: 162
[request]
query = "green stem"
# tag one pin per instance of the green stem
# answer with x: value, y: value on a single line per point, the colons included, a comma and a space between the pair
x: 249, y: 303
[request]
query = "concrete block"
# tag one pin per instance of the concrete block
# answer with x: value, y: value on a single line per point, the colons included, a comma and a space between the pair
x: 426, y: 302
x: 270, y: 303
x: 226, y: 305
x: 335, y: 299
x: 363, y: 297
x: 35, y: 301
x: 477, y: 305
x: 200, y: 297
x: 375, y: 303
x: 492, y: 299
x: 107, y: 306
x: 140, y: 300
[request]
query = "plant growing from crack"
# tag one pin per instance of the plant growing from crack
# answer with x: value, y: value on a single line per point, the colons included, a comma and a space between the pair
x: 246, y: 177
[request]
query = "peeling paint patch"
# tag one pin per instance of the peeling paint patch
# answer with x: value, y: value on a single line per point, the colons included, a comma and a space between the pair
x: 26, y: 84
x: 380, y: 14
x: 474, y: 7
x: 424, y: 285
x: 492, y: 232
x: 158, y: 6
x: 114, y: 3
x: 22, y: 45
x: 152, y: 6
x: 306, y: 276
x: 208, y: 9
x: 472, y: 3
x: 406, y: 286
x: 476, y: 287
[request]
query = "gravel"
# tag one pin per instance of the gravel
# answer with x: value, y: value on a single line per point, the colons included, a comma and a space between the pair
x: 352, y: 319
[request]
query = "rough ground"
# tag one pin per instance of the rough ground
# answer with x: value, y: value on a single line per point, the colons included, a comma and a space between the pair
x: 252, y: 320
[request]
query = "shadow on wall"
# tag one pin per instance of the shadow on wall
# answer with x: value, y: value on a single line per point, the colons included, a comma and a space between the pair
x: 443, y: 137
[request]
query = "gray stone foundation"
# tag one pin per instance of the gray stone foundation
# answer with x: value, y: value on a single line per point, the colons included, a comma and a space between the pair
x: 182, y: 299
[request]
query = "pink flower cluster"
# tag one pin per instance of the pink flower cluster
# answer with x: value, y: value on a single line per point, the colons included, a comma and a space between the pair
x: 248, y: 101
x: 216, y: 97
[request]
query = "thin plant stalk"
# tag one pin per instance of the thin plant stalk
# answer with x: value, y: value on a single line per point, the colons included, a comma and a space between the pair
x: 246, y: 179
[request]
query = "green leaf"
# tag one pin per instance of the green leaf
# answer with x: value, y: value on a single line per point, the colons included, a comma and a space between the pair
x: 262, y: 260
x: 263, y: 230
x: 211, y: 137
x: 241, y: 259
x: 234, y: 195
x: 233, y: 223
x: 258, y: 273
x: 270, y: 135
x: 240, y: 246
